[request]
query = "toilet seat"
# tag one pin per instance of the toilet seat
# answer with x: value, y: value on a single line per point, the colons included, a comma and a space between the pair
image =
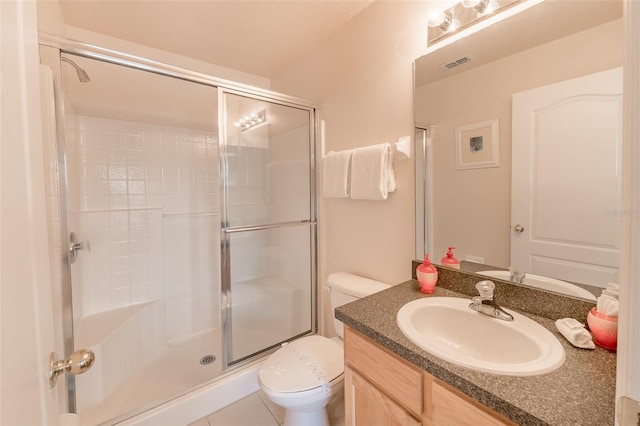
x: 304, y: 364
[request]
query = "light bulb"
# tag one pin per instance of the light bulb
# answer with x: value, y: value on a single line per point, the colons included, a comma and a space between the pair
x: 443, y: 20
x: 436, y: 19
x: 470, y: 3
x: 484, y: 7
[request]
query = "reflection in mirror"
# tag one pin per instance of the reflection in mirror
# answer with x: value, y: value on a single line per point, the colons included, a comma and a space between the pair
x: 472, y: 207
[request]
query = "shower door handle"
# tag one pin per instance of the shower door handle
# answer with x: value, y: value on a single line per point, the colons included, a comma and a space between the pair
x: 75, y: 246
x: 77, y: 363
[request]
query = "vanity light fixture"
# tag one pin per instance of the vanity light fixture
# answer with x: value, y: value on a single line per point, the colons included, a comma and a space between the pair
x: 472, y: 16
x: 482, y: 7
x: 442, y: 20
x: 249, y: 121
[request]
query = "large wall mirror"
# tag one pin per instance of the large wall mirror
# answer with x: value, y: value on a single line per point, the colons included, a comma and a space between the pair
x: 471, y: 179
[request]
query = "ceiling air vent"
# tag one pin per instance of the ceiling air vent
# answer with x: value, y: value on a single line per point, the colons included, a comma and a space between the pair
x: 453, y: 64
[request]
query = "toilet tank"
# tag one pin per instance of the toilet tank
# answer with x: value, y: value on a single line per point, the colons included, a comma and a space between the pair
x: 345, y: 288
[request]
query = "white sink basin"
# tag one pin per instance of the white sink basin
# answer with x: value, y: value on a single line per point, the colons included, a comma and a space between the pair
x: 448, y: 328
x: 545, y: 283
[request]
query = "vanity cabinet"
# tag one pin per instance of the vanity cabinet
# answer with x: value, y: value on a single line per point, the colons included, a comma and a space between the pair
x: 383, y: 389
x: 369, y: 406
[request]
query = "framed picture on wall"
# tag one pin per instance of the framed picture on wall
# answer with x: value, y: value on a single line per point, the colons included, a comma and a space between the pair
x: 478, y: 145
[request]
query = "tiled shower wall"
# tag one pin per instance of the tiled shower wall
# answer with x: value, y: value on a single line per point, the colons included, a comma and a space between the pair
x: 147, y: 201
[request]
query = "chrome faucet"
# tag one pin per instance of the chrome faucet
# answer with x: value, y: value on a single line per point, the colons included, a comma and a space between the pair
x: 516, y: 275
x: 485, y: 304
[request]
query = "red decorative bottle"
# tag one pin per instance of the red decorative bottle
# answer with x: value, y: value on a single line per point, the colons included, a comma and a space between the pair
x: 449, y: 260
x: 427, y: 276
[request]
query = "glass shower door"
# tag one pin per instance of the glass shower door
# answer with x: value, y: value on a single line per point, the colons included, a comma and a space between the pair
x: 269, y: 226
x: 142, y: 169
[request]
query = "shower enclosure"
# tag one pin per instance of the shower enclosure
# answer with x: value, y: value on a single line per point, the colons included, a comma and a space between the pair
x: 191, y: 204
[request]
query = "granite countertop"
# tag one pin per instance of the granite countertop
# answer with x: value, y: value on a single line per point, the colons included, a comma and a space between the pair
x: 580, y: 392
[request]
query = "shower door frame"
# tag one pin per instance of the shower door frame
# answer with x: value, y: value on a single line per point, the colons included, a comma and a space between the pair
x: 226, y: 231
x: 52, y: 47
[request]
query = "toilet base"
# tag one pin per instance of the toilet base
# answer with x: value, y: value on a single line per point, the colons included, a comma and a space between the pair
x: 306, y: 418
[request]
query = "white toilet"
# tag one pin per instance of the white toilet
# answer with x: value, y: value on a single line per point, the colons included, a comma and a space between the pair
x: 302, y: 375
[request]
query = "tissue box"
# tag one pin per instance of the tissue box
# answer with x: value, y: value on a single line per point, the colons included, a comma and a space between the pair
x: 604, y: 329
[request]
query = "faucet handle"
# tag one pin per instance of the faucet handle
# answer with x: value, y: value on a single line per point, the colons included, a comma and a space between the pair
x: 516, y: 275
x: 485, y: 288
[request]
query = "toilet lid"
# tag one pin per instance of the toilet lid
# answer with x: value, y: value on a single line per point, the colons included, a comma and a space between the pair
x: 303, y: 364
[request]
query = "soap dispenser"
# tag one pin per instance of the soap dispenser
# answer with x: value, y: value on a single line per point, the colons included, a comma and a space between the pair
x: 449, y: 260
x: 427, y: 276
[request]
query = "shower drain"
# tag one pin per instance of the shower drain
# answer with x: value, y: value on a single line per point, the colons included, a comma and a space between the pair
x: 207, y: 359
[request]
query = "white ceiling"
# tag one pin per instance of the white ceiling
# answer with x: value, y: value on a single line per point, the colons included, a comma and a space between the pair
x: 255, y: 36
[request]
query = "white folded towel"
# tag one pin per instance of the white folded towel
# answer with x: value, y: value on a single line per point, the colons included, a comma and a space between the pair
x: 575, y: 333
x: 613, y: 286
x: 335, y: 174
x: 372, y: 176
x: 613, y: 290
x: 607, y: 305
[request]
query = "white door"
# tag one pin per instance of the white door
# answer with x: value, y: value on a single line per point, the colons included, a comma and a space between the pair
x: 26, y: 303
x: 565, y: 202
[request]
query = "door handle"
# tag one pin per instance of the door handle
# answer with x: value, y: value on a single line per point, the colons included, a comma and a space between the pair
x: 77, y: 363
x: 75, y: 246
x: 518, y: 228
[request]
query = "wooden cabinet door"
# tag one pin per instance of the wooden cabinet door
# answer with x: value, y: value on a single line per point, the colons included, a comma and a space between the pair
x: 450, y: 409
x: 365, y: 405
x: 385, y: 371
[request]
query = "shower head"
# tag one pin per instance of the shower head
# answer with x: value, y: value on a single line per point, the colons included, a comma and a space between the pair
x: 82, y: 74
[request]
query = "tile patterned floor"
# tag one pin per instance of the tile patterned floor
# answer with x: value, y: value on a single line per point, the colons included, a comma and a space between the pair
x: 257, y: 410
